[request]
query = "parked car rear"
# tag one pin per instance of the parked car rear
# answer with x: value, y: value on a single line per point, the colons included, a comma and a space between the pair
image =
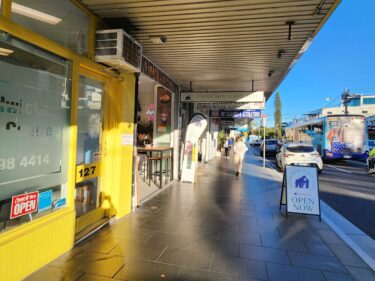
x: 298, y: 154
x: 270, y: 145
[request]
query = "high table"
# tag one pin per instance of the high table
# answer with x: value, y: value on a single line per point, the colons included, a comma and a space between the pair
x: 160, y: 150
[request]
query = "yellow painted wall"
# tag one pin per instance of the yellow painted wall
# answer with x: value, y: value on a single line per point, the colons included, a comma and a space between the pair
x: 27, y: 248
x: 124, y: 162
x: 32, y: 245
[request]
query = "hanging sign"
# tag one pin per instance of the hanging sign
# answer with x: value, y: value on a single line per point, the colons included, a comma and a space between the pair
x: 24, y: 204
x: 255, y: 113
x: 230, y: 105
x: 300, y: 190
x: 194, y: 130
x: 242, y: 97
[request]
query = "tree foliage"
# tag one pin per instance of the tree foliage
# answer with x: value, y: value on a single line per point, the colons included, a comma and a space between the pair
x: 221, y: 138
x: 278, y: 116
x: 270, y: 132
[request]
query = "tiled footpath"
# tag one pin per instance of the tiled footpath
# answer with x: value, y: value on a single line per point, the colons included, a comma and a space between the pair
x: 221, y: 228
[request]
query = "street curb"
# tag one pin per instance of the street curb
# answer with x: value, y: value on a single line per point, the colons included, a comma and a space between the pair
x: 338, y: 223
x: 334, y: 220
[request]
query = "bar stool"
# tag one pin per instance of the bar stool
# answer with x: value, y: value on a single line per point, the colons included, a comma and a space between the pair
x: 151, y: 163
x: 167, y: 171
x: 144, y: 166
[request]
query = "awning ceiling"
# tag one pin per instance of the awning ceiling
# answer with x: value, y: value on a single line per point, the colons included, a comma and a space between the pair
x: 219, y: 45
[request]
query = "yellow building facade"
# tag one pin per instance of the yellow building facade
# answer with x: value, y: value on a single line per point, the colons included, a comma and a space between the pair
x: 80, y: 188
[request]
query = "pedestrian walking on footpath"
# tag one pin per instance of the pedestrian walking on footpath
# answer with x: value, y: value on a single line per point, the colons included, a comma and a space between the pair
x: 226, y: 146
x: 239, y: 150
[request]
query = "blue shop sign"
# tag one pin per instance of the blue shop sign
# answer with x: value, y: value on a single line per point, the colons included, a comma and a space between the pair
x: 45, y: 201
x: 250, y: 113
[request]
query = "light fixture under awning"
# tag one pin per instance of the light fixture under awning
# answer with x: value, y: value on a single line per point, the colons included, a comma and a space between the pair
x: 34, y: 14
x: 5, y: 52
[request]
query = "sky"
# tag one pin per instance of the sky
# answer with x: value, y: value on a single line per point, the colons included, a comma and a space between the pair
x: 342, y: 56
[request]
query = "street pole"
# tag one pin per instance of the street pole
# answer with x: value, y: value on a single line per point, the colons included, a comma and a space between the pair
x: 264, y: 142
x: 345, y: 99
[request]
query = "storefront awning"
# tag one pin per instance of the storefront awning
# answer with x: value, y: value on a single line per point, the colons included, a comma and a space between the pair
x: 220, y: 45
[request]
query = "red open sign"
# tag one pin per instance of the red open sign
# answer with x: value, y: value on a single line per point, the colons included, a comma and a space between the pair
x: 24, y: 204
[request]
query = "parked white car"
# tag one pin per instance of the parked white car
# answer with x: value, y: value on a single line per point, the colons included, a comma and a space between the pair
x: 298, y: 153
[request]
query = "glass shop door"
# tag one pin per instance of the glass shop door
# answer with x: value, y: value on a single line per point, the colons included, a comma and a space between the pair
x: 91, y: 124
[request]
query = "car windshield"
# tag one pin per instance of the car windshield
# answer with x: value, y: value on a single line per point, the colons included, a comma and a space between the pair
x: 271, y: 142
x: 300, y: 149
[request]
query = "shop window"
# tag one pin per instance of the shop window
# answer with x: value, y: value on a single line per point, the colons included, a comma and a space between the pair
x: 58, y: 20
x: 34, y: 131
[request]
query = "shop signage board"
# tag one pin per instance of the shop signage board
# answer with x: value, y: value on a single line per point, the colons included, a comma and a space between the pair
x: 300, y: 190
x: 24, y: 204
x: 230, y: 105
x: 151, y: 70
x: 254, y: 113
x: 45, y: 201
x: 242, y: 97
x: 87, y: 171
x: 194, y: 130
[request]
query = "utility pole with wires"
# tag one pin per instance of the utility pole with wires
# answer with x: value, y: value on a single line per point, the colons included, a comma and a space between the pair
x: 346, y: 97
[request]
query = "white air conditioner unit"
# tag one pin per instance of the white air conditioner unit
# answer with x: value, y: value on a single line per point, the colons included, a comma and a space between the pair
x: 118, y: 49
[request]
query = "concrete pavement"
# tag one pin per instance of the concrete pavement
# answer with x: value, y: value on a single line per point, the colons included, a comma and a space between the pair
x: 221, y: 228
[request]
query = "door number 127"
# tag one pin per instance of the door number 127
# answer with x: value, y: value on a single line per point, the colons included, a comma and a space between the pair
x: 87, y: 171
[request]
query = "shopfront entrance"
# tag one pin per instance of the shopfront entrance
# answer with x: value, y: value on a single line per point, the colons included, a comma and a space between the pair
x: 92, y: 123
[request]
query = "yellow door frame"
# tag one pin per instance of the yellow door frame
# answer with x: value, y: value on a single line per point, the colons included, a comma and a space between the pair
x: 106, y: 164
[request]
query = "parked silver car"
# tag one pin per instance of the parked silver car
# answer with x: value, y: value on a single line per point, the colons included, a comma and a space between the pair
x: 271, y: 147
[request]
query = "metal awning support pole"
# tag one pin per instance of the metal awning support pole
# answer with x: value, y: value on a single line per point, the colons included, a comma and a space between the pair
x: 264, y: 142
